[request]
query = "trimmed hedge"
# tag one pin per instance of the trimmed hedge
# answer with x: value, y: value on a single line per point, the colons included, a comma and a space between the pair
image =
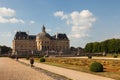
x: 42, y: 59
x: 89, y: 57
x: 115, y: 56
x: 27, y: 58
x: 96, y: 67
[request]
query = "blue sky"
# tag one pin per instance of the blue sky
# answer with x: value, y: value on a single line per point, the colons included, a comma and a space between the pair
x: 83, y: 21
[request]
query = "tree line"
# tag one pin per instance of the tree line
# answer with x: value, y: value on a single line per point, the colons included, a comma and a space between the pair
x: 107, y: 46
x: 5, y: 49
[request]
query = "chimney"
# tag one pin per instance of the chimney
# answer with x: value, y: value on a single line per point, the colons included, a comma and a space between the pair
x: 27, y: 34
x: 56, y: 35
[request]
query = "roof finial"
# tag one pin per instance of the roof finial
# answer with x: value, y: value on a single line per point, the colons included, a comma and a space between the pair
x: 43, y: 29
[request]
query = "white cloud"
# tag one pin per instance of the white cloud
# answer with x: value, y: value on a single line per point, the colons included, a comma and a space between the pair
x: 32, y: 22
x: 3, y: 20
x: 83, y: 18
x: 60, y: 14
x: 48, y: 30
x: 80, y: 22
x: 7, y: 16
x: 7, y: 12
x: 14, y: 20
x: 11, y: 20
x: 6, y: 34
x: 15, y: 31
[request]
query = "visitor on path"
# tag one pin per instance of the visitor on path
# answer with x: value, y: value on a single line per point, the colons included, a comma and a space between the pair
x: 16, y: 58
x: 31, y: 61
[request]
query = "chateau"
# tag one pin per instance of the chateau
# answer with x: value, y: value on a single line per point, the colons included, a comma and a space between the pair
x: 24, y: 43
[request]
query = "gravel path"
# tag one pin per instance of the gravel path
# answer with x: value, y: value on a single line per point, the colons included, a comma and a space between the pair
x: 72, y: 74
x: 97, y: 58
x: 13, y: 70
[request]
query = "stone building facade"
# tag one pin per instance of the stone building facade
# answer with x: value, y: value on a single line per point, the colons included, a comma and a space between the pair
x: 24, y: 43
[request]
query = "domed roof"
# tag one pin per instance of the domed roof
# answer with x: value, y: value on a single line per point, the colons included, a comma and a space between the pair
x: 43, y: 34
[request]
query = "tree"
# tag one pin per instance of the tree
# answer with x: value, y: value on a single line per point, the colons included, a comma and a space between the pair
x: 5, y: 49
x: 96, y: 47
x: 72, y: 48
x: 104, y: 46
x: 107, y: 46
x: 111, y: 46
x: 89, y: 47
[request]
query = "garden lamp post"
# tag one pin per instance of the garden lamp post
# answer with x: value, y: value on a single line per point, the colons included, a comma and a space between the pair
x: 0, y: 50
x: 32, y: 53
x: 16, y: 55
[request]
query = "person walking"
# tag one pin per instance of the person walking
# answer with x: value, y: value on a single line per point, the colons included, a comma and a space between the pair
x: 31, y: 61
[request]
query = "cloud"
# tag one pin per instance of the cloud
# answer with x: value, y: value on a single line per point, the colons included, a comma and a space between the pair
x: 60, y: 14
x: 48, y: 30
x: 15, y: 31
x: 14, y: 20
x: 7, y: 16
x: 6, y: 34
x: 32, y: 22
x: 11, y: 20
x: 80, y: 22
x: 7, y: 12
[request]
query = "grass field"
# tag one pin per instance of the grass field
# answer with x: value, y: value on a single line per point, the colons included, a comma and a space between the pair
x: 111, y: 67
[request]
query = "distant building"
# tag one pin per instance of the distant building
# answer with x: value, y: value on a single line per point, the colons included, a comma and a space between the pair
x: 24, y: 43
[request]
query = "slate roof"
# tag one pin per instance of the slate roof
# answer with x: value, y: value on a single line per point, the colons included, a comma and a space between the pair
x: 43, y: 35
x: 23, y: 35
x: 32, y: 37
x: 60, y: 36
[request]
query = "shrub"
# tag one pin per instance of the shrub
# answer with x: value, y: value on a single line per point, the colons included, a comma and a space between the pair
x: 89, y: 57
x: 27, y: 57
x: 115, y: 55
x: 96, y: 67
x: 12, y: 56
x: 42, y: 59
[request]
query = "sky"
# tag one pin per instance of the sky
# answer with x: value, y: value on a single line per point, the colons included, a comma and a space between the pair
x: 83, y: 21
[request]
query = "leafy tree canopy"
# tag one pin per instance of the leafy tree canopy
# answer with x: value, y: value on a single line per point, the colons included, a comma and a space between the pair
x: 5, y: 50
x: 108, y: 46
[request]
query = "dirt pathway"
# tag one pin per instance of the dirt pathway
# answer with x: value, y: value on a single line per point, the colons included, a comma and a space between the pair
x: 13, y: 70
x: 72, y: 74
